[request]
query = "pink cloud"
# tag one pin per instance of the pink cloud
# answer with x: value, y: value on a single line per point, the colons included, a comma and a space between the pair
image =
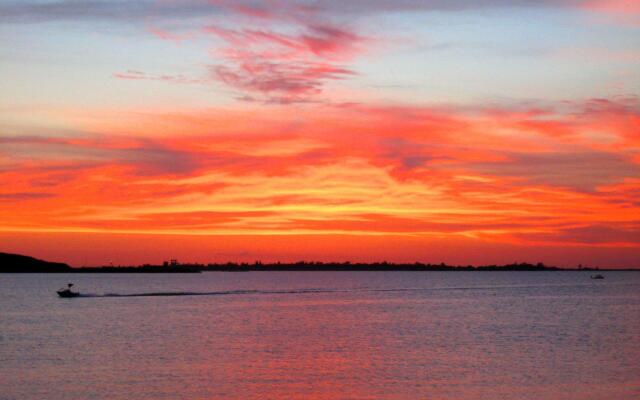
x: 614, y: 6
x: 165, y: 34
x: 319, y: 40
x: 626, y: 12
x: 280, y: 82
x: 285, y: 67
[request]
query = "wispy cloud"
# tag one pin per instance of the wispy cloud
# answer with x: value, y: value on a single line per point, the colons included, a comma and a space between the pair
x: 139, y: 75
x: 284, y: 68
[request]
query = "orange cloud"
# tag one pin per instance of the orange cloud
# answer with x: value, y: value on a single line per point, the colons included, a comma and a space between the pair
x: 557, y: 174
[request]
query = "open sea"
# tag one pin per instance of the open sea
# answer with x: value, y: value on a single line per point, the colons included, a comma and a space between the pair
x: 321, y: 335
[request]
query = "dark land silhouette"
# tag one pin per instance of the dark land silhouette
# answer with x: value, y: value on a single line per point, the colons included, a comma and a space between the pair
x: 19, y: 263
x: 15, y: 263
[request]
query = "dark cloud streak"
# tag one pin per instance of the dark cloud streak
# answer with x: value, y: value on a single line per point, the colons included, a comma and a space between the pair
x: 95, y: 10
x: 25, y: 196
x: 628, y: 233
x: 582, y: 171
x: 78, y: 10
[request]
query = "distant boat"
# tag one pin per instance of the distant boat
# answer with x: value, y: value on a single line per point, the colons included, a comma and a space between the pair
x: 597, y: 276
x: 67, y: 292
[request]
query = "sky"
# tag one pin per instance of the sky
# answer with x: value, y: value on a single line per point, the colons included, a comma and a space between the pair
x: 457, y: 131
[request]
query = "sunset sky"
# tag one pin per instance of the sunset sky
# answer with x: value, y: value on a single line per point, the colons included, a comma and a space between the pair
x: 458, y: 131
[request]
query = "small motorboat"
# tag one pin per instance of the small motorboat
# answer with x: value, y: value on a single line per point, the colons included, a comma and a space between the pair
x: 597, y: 276
x: 67, y: 292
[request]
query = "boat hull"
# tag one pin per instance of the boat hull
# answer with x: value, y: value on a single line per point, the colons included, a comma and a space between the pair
x: 67, y: 293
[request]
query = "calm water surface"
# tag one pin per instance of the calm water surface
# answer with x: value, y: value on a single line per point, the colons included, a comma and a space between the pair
x: 332, y: 335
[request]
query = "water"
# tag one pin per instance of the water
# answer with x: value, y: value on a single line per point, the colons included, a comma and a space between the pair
x: 322, y: 335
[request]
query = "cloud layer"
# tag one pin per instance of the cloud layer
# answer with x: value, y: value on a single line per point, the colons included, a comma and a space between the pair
x: 366, y: 170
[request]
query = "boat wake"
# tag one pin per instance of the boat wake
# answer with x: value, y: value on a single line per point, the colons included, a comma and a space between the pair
x: 220, y: 293
x: 310, y: 291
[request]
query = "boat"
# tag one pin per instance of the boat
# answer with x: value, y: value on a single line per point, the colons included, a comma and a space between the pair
x: 67, y: 292
x: 597, y: 276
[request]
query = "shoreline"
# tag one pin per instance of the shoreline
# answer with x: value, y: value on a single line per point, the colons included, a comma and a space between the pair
x: 14, y: 263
